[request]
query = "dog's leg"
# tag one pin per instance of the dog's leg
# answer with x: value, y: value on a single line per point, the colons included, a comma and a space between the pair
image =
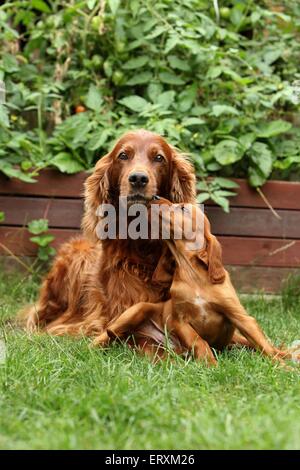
x: 247, y: 325
x: 128, y: 321
x: 239, y: 340
x: 192, y: 341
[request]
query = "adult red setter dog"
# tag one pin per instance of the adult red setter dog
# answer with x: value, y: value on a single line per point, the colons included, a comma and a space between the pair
x: 93, y: 282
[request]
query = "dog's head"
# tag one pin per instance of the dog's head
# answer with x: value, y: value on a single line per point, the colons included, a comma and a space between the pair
x: 140, y: 165
x: 190, y: 238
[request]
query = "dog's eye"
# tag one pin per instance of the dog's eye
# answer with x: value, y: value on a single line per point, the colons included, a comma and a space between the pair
x: 123, y: 156
x: 158, y: 158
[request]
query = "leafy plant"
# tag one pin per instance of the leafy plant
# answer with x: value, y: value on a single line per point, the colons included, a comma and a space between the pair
x: 221, y: 83
x: 41, y: 238
x: 2, y: 216
x: 218, y: 189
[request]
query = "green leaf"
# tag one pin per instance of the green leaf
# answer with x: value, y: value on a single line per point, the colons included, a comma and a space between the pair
x: 221, y: 201
x: 187, y: 98
x: 10, y: 63
x: 12, y: 172
x: 166, y: 99
x: 154, y: 90
x: 98, y: 139
x: 225, y: 183
x: 45, y: 252
x: 135, y: 103
x: 114, y: 5
x: 140, y: 79
x: 158, y: 31
x: 193, y: 121
x: 91, y: 4
x: 202, y: 185
x: 227, y: 152
x: 213, y: 167
x: 171, y: 42
x: 272, y: 54
x: 214, y: 72
x: 224, y: 193
x: 40, y: 5
x: 220, y: 109
x: 42, y: 240
x: 287, y: 162
x: 256, y: 178
x: 2, y: 216
x: 170, y: 78
x: 66, y: 163
x: 273, y: 128
x: 247, y: 140
x: 177, y: 63
x: 202, y: 197
x: 261, y: 155
x: 4, y: 120
x: 136, y: 62
x: 38, y: 226
x: 94, y: 99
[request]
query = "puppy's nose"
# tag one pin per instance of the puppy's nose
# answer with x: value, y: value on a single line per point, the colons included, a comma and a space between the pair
x: 138, y: 179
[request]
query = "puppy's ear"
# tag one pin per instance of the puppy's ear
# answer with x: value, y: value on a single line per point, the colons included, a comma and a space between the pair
x: 212, y: 256
x: 183, y: 180
x: 96, y: 192
x: 164, y: 270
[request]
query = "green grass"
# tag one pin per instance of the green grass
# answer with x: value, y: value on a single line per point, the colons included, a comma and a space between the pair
x: 57, y: 393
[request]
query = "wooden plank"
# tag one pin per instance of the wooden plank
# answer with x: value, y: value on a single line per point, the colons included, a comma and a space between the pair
x: 246, y: 279
x: 240, y: 221
x: 16, y: 239
x: 245, y: 251
x: 254, y: 222
x: 60, y: 212
x: 236, y: 250
x: 50, y: 183
x: 251, y: 279
x: 280, y: 194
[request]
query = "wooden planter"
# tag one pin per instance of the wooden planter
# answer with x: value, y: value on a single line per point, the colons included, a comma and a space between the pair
x: 259, y: 249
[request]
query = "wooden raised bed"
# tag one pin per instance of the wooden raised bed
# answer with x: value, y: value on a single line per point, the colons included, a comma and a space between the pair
x: 259, y: 249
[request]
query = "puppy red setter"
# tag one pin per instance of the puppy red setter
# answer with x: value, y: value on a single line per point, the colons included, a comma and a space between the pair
x: 203, y: 310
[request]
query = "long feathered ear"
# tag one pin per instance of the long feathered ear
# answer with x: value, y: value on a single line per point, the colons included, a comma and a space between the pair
x: 212, y: 256
x: 96, y: 192
x: 183, y: 180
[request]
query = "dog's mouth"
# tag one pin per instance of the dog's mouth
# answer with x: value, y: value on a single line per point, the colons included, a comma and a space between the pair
x: 138, y: 198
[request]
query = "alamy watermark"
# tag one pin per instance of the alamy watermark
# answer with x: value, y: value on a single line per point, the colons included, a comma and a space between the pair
x: 153, y: 222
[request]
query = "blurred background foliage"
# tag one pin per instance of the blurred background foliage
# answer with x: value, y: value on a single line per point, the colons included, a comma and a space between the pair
x: 220, y: 79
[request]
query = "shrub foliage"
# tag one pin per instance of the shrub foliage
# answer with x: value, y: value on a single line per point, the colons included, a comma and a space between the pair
x: 220, y: 79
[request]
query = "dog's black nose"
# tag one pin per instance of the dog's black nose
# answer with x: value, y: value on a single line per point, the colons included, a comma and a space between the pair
x: 138, y: 179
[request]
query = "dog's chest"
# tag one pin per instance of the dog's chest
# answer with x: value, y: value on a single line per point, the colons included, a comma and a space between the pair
x: 195, y: 307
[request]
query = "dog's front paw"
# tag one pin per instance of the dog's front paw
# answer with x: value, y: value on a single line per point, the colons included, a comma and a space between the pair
x: 102, y: 340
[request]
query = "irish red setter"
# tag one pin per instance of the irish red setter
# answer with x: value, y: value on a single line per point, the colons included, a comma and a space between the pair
x: 92, y: 282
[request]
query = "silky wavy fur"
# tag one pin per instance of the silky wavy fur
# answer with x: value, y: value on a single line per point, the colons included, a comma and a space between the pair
x: 92, y: 281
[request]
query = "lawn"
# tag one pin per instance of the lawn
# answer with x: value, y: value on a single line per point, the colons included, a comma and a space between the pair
x: 57, y: 393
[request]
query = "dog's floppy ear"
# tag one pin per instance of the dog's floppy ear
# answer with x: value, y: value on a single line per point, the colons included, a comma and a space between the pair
x: 212, y: 256
x: 164, y: 270
x: 96, y: 192
x: 183, y: 180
